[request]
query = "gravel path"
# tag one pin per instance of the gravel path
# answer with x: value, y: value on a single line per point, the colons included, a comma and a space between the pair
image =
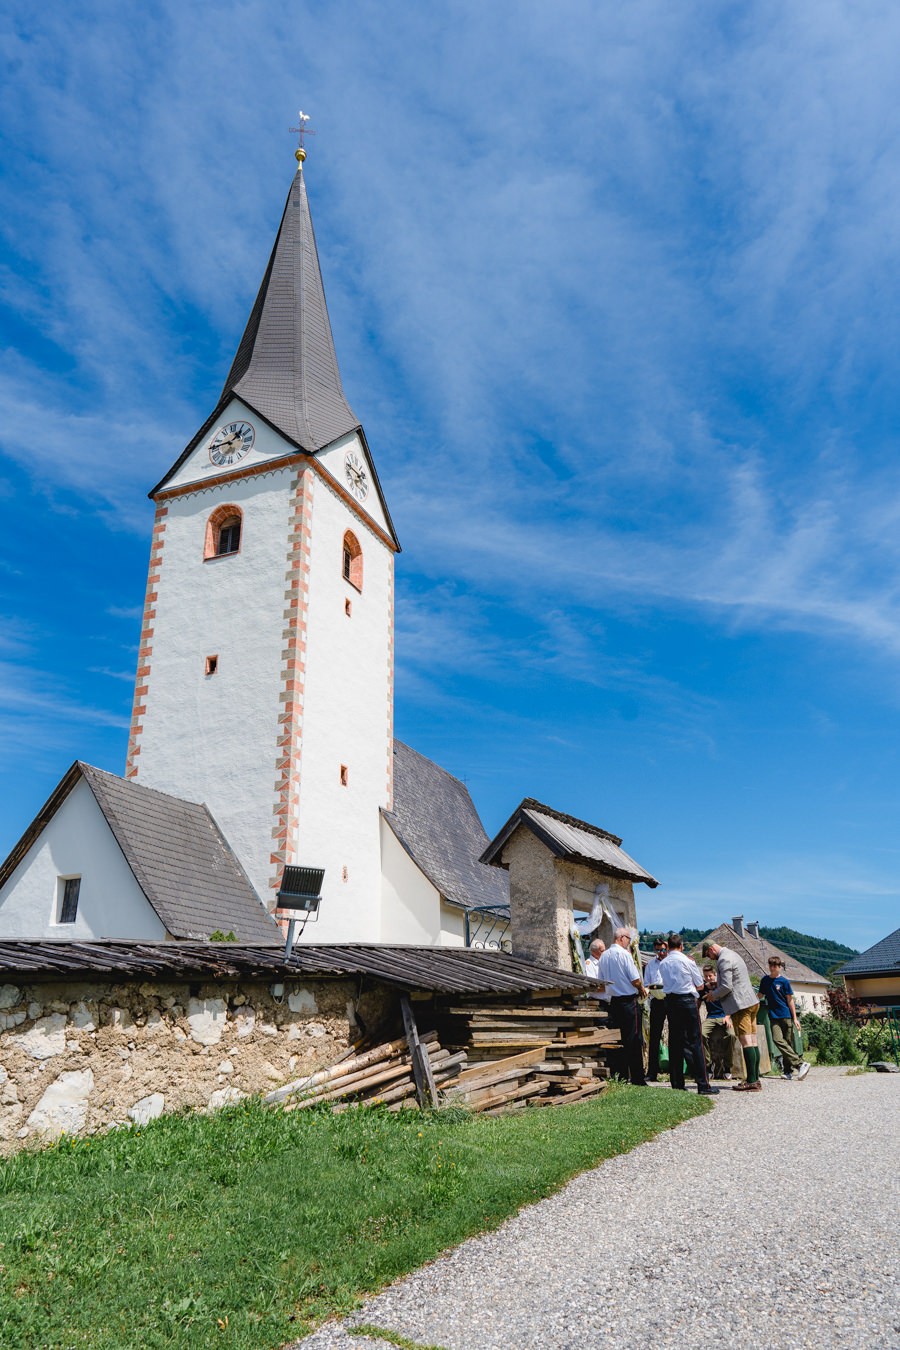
x: 771, y: 1222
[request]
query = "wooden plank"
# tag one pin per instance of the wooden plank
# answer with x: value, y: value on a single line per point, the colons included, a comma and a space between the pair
x: 421, y: 1063
x: 591, y: 1090
x: 509, y: 1062
x: 328, y: 1094
x: 564, y: 1014
x: 533, y: 1088
x: 451, y: 1065
x: 402, y: 1090
x: 338, y: 1069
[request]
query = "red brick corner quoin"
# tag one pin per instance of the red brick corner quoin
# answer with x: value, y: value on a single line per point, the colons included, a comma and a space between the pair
x: 145, y: 651
x: 293, y: 677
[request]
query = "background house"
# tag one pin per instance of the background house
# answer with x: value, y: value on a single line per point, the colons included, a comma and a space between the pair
x: 874, y: 976
x: 108, y: 858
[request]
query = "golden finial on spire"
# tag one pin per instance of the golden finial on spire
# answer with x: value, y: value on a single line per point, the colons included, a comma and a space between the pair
x: 300, y: 132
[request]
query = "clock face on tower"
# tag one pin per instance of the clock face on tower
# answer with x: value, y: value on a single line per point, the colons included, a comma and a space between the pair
x: 355, y: 473
x: 231, y: 443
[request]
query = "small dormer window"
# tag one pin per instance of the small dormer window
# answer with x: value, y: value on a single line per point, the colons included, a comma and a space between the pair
x: 223, y: 533
x: 68, y: 891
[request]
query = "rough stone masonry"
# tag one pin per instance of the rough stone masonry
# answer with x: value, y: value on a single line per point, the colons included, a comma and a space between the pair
x: 78, y: 1056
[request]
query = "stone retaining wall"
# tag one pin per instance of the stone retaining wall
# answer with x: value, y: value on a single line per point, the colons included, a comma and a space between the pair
x: 76, y: 1057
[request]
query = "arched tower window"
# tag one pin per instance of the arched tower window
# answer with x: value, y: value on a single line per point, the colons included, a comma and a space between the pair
x: 223, y: 532
x: 352, y: 561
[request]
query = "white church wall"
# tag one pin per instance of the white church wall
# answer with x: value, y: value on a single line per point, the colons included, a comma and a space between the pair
x: 267, y: 444
x: 77, y: 842
x: 453, y: 927
x: 212, y: 738
x: 411, y: 906
x: 346, y: 722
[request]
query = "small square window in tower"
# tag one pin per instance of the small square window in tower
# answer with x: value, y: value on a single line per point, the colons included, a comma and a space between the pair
x: 68, y: 890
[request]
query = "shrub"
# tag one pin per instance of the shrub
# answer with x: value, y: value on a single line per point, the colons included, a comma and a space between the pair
x: 874, y: 1040
x: 812, y: 1024
x: 836, y: 1043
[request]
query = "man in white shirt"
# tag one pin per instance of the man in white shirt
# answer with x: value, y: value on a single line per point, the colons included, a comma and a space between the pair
x: 682, y: 982
x: 653, y: 981
x: 624, y: 985
x: 592, y: 967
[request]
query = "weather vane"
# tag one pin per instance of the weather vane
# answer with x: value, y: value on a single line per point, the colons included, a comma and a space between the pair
x: 300, y: 132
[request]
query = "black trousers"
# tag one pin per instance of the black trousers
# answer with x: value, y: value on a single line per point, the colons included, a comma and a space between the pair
x: 625, y: 1015
x: 685, y: 1040
x: 657, y: 1022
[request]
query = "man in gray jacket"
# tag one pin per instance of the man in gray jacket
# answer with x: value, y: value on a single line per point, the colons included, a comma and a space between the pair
x: 741, y: 1002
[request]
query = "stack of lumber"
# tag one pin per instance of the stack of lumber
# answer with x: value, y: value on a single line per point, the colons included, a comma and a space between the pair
x: 383, y: 1074
x: 527, y: 1055
x: 490, y: 1059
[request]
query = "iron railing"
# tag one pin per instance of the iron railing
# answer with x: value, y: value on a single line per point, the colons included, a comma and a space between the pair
x: 487, y: 926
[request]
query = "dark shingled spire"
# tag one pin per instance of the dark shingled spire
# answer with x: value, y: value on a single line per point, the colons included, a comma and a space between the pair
x: 285, y: 367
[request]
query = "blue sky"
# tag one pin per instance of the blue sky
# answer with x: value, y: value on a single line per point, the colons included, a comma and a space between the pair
x: 616, y: 296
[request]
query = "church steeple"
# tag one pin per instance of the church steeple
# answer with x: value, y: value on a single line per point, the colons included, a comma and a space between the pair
x: 285, y: 367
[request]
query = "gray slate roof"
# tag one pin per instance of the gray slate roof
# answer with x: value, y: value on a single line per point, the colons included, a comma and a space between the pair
x: 177, y: 853
x: 755, y: 952
x: 285, y: 367
x: 881, y: 959
x: 435, y: 820
x: 569, y: 838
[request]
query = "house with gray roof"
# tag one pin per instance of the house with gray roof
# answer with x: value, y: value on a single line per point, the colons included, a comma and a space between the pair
x: 873, y: 977
x: 108, y: 858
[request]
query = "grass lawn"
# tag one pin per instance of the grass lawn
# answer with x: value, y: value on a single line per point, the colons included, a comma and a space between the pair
x: 248, y: 1227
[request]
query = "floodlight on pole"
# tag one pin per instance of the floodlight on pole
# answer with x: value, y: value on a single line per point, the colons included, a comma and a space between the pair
x: 300, y: 891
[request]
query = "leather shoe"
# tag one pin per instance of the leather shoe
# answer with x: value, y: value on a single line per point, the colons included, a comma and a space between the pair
x: 708, y: 1092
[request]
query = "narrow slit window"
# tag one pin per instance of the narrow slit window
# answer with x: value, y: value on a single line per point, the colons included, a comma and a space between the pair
x: 348, y: 608
x: 212, y: 665
x: 70, y: 888
x: 345, y: 775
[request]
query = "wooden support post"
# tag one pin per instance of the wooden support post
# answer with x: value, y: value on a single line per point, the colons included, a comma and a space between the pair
x: 421, y: 1064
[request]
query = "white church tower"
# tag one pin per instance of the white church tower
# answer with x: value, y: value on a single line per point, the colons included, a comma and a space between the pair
x: 265, y: 677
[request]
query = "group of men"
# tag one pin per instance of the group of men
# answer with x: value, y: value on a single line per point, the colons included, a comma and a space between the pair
x: 677, y: 989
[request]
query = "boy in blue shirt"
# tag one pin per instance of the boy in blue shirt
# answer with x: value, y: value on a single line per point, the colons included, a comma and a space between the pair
x: 776, y: 989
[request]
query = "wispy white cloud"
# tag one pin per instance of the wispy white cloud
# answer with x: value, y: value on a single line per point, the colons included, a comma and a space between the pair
x: 566, y: 297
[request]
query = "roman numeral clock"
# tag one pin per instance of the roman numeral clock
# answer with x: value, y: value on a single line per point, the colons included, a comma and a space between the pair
x: 230, y: 443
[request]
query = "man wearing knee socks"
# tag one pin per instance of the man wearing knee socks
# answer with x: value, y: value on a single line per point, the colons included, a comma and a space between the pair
x: 739, y: 1000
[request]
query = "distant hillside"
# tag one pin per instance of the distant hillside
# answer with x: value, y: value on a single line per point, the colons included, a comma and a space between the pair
x: 820, y: 954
